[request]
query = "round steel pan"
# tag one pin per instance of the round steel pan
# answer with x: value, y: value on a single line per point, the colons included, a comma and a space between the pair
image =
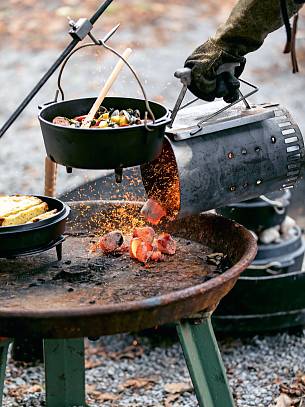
x: 33, y: 302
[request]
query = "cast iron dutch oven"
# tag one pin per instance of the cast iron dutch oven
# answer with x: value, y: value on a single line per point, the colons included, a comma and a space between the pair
x: 108, y: 148
x: 256, y: 214
x: 15, y: 240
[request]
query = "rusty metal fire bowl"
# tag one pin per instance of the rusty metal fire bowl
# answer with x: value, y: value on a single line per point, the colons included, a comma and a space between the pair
x: 91, y: 294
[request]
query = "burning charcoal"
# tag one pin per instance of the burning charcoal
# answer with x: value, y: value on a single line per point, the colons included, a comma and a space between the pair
x: 146, y: 233
x: 153, y: 211
x: 140, y: 250
x: 61, y: 121
x: 156, y: 256
x: 124, y: 248
x: 111, y: 241
x: 166, y: 244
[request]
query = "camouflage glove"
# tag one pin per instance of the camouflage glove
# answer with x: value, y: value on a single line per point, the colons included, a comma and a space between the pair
x: 245, y: 31
x: 205, y: 62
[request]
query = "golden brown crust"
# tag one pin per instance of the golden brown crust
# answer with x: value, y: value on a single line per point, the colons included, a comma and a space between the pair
x: 10, y: 205
x: 45, y: 215
x: 24, y: 216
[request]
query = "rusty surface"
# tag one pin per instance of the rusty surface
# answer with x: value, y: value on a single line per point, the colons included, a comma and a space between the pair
x: 89, y: 294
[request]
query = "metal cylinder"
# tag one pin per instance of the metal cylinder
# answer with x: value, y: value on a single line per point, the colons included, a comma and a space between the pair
x: 225, y: 167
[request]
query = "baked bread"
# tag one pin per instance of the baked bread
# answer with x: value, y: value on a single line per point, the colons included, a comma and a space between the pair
x: 10, y: 205
x: 20, y: 209
x: 45, y: 215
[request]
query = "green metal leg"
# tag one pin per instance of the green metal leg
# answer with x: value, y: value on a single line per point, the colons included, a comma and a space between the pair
x: 3, y: 359
x: 204, y: 362
x: 65, y: 372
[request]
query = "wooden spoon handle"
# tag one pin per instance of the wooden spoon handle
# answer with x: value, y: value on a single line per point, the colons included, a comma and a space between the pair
x: 115, y: 73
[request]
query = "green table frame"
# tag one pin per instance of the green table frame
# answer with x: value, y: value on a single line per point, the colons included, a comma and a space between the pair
x: 65, y: 367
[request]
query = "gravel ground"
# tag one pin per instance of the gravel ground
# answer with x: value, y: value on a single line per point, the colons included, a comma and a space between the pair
x: 255, y: 365
x: 134, y: 371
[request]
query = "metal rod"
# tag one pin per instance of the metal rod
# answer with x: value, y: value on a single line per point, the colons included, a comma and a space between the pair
x: 37, y: 88
x: 244, y: 100
x: 188, y: 103
x: 50, y: 72
x: 100, y: 11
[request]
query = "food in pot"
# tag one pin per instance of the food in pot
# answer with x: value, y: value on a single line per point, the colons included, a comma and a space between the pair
x: 61, y: 121
x: 10, y: 205
x: 43, y: 216
x: 20, y: 209
x: 112, y: 118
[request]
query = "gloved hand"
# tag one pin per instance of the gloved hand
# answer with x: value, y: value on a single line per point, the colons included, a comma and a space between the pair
x: 206, y: 84
x: 245, y: 31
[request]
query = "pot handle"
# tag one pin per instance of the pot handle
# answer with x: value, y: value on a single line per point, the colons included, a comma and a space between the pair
x: 160, y: 122
x: 107, y: 47
x: 276, y: 264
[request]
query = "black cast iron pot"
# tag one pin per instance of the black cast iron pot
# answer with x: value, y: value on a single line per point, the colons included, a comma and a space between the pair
x: 263, y: 304
x: 256, y: 214
x: 108, y: 148
x: 270, y: 299
x: 32, y: 237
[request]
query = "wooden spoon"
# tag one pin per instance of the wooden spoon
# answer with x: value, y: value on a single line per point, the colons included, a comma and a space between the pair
x: 115, y: 73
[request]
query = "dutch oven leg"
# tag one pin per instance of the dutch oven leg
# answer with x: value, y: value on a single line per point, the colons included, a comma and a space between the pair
x: 204, y: 361
x: 65, y: 372
x: 4, y: 344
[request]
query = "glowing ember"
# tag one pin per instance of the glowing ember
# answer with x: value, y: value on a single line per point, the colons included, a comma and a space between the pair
x: 146, y: 233
x: 124, y: 248
x: 156, y: 256
x: 111, y: 241
x: 140, y: 250
x: 153, y: 211
x: 166, y: 244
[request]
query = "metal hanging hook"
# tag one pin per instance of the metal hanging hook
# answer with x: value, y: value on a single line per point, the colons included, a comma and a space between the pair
x: 102, y: 43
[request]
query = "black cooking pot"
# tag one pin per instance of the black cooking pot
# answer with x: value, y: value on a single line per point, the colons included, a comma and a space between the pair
x: 256, y: 214
x: 285, y: 256
x: 108, y: 148
x: 32, y: 237
x: 269, y: 298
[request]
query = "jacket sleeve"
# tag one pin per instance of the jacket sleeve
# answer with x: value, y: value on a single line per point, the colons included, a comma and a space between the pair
x: 249, y: 24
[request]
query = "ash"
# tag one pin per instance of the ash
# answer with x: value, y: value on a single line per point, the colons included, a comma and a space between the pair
x: 134, y: 371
